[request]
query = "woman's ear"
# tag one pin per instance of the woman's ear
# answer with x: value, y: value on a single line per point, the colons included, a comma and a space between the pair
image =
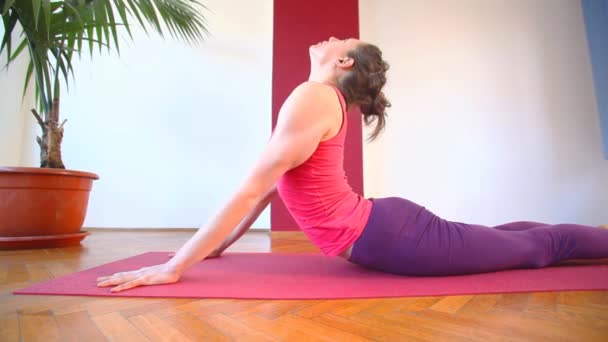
x: 345, y: 62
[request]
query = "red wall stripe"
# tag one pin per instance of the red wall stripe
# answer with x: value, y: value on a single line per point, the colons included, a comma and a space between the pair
x: 297, y: 25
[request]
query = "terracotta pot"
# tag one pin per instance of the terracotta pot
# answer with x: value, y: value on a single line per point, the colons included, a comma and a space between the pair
x: 42, y: 207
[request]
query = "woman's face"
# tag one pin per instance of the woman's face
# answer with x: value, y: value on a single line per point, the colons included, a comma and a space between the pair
x: 332, y: 49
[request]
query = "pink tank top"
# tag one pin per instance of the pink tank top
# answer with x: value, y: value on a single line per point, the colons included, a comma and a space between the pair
x: 319, y: 198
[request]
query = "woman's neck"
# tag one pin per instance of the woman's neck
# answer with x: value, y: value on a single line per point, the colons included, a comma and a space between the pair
x: 322, y: 76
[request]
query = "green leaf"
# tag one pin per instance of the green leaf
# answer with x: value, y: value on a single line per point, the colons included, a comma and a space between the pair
x: 74, y: 11
x: 56, y: 86
x: 79, y: 40
x: 71, y: 42
x: 68, y: 24
x: 60, y: 65
x: 68, y: 60
x: 9, y: 25
x: 56, y: 5
x: 88, y: 17
x: 46, y: 5
x: 166, y: 12
x: 100, y: 20
x: 19, y: 49
x: 36, y: 7
x: 28, y: 76
x: 38, y: 99
x: 112, y: 27
x: 135, y: 10
x: 150, y: 14
x: 40, y: 78
x: 122, y: 9
x: 47, y: 83
x: 7, y: 5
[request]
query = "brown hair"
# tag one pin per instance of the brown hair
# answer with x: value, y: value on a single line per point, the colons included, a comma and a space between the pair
x: 362, y: 85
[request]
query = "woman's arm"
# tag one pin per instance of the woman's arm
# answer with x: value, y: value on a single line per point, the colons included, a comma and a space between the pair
x: 243, y: 226
x: 304, y: 120
x: 246, y: 223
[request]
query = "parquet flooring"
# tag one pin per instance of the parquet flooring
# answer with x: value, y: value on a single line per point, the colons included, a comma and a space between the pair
x: 548, y: 316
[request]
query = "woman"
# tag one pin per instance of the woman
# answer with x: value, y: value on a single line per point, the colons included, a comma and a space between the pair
x: 303, y: 163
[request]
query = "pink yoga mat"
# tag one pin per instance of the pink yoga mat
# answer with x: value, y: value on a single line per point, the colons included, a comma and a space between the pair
x: 313, y: 276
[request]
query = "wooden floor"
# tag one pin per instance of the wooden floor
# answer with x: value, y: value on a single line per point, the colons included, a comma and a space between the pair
x: 554, y: 316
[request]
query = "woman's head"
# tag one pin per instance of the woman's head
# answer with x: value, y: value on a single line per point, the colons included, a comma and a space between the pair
x: 358, y: 70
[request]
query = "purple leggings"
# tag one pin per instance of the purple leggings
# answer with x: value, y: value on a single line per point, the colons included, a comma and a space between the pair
x: 405, y: 238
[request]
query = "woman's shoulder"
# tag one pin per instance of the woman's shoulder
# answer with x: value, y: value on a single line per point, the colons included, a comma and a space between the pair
x: 320, y: 93
x: 309, y: 104
x: 314, y: 86
x: 309, y: 101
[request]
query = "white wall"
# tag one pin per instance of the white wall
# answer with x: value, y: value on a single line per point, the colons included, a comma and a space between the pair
x: 493, y: 116
x: 14, y: 108
x: 172, y: 129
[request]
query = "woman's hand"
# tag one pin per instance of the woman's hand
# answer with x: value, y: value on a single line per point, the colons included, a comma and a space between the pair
x: 153, y: 275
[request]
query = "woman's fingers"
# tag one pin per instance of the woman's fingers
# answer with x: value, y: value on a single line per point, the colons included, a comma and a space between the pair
x: 152, y: 275
x: 112, y: 276
x: 128, y: 285
x: 112, y: 282
x: 117, y: 279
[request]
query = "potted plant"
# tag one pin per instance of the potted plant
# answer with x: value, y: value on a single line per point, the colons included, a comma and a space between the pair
x: 46, y: 206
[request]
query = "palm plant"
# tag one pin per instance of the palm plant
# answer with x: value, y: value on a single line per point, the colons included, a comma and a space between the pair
x: 52, y: 30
